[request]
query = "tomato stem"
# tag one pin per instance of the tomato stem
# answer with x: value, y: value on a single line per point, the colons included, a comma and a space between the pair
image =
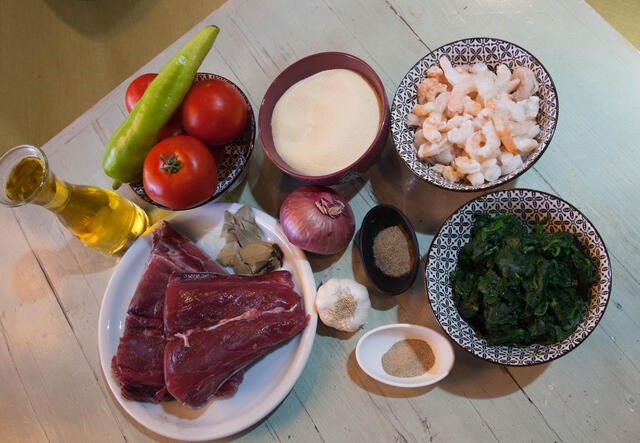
x: 171, y: 165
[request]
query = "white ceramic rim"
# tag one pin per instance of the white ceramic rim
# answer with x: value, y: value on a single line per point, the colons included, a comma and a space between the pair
x: 429, y: 331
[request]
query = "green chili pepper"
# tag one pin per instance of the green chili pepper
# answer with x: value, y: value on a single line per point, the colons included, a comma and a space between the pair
x: 132, y: 141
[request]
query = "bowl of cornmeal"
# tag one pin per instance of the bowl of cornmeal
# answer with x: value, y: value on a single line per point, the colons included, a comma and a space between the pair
x: 325, y: 119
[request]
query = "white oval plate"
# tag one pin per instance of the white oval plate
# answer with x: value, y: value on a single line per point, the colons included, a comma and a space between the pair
x: 375, y: 343
x: 265, y: 384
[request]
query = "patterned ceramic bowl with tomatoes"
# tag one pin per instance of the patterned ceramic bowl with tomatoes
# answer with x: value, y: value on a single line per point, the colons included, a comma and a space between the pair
x: 231, y: 158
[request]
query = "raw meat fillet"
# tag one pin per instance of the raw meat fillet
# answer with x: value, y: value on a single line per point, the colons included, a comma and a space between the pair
x: 138, y: 363
x: 224, y: 324
x: 200, y: 300
x: 171, y: 252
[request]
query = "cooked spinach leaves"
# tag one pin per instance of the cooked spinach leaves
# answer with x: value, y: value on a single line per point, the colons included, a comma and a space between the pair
x: 516, y: 287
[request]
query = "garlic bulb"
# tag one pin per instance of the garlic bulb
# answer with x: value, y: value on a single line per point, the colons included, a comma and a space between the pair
x: 343, y: 304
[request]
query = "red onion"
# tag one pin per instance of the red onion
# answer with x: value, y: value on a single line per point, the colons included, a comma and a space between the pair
x: 317, y: 219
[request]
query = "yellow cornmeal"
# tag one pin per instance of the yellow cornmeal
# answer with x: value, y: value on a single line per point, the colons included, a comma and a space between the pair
x: 325, y: 122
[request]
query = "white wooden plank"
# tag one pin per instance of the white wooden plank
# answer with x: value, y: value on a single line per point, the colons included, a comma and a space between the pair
x: 60, y: 386
x: 19, y: 419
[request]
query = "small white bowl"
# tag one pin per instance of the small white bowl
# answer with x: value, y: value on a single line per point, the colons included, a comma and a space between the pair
x: 375, y: 343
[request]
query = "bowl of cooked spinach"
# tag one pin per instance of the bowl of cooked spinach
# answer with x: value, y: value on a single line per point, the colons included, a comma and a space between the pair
x: 518, y: 277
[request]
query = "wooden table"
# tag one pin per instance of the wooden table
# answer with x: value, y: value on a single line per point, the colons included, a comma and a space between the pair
x: 53, y: 388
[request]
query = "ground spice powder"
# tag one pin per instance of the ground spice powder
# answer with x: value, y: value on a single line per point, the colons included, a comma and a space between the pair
x: 408, y: 358
x: 392, y: 251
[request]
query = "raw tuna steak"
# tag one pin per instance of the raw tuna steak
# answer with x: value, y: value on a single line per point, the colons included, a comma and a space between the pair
x: 216, y: 325
x: 138, y: 363
x: 200, y: 300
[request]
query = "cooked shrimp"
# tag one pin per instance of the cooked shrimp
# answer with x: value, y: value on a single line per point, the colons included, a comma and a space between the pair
x: 476, y: 179
x: 422, y: 110
x: 429, y: 89
x: 473, y: 146
x: 429, y: 150
x: 446, y: 155
x: 493, y: 173
x: 466, y: 165
x: 455, y: 122
x: 510, y: 164
x: 478, y: 67
x: 448, y: 172
x: 470, y: 106
x: 458, y: 94
x: 440, y: 103
x: 473, y: 123
x: 534, y: 131
x: 532, y: 106
x: 418, y: 139
x: 504, y: 80
x: 492, y: 140
x: 460, y: 134
x: 519, y: 129
x: 454, y: 77
x: 434, y: 71
x: 517, y: 111
x: 504, y: 134
x: 437, y: 73
x: 430, y: 132
x: 435, y: 118
x: 490, y: 169
x: 528, y: 83
x: 525, y: 145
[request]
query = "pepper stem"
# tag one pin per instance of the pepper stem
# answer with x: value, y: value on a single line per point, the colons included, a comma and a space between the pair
x: 330, y: 206
x: 171, y: 165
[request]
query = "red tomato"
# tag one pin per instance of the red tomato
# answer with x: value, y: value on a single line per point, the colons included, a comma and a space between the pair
x: 214, y: 111
x: 172, y: 128
x: 135, y: 91
x: 180, y: 173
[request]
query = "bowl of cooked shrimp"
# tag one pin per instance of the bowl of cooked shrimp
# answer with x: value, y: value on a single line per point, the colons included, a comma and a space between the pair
x: 474, y: 114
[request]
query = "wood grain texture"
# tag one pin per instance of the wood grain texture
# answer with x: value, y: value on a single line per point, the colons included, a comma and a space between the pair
x: 589, y: 395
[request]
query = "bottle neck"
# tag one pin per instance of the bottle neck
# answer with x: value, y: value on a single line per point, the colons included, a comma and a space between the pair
x: 54, y: 194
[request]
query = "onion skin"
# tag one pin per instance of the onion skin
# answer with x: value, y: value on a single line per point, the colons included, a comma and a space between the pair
x: 317, y: 219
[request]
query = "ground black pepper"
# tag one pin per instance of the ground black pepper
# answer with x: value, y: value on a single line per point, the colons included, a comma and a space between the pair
x: 392, y: 251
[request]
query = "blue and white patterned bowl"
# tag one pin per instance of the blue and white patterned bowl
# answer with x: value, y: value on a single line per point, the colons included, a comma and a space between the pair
x: 530, y: 206
x: 471, y: 50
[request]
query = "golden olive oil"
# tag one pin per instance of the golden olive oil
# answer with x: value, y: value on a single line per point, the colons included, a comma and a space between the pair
x: 101, y: 219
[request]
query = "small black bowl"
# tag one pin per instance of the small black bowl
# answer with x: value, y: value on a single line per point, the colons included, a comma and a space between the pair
x: 378, y: 218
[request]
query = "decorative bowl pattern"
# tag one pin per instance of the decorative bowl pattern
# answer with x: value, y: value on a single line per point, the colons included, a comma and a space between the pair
x: 233, y: 158
x: 530, y: 206
x: 492, y: 52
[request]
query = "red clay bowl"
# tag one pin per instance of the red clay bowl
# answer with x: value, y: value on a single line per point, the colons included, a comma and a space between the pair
x: 302, y: 69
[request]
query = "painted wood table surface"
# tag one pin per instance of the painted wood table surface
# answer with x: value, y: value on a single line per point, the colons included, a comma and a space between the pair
x: 51, y: 384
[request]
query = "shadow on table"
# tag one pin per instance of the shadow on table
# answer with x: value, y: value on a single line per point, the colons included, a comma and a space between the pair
x: 360, y: 378
x: 73, y: 258
x: 427, y: 206
x: 473, y: 377
x: 99, y: 19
